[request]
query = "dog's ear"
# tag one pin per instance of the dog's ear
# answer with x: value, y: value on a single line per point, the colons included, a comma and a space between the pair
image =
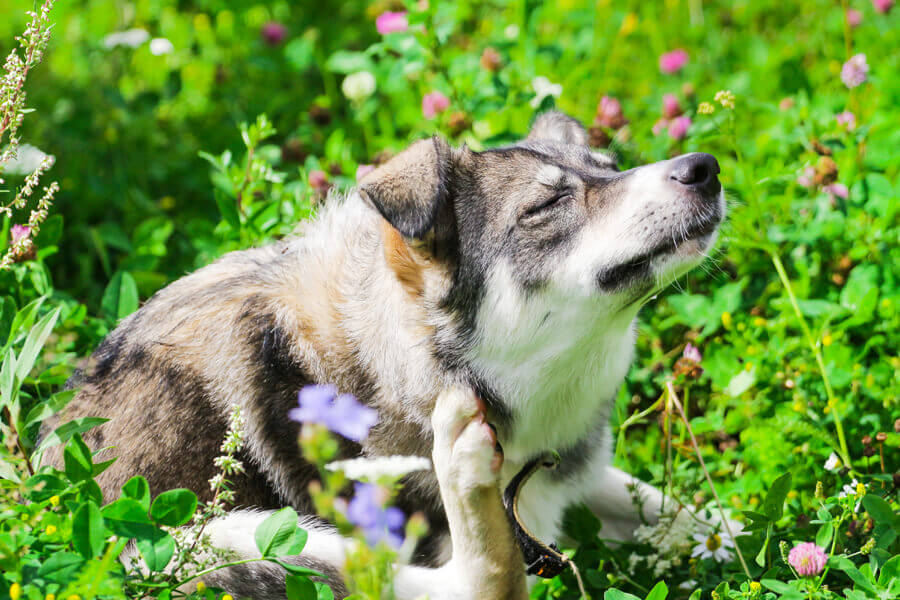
x: 558, y: 127
x: 410, y: 190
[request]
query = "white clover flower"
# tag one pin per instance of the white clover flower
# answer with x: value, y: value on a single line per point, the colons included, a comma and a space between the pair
x: 358, y: 86
x: 374, y: 469
x: 26, y: 161
x: 511, y: 32
x: 833, y: 463
x: 160, y: 46
x: 132, y: 38
x: 543, y: 87
x: 714, y: 545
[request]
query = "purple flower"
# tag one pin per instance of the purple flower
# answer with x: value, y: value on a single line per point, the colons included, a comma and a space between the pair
x: 341, y: 414
x: 855, y: 71
x: 17, y: 233
x: 807, y: 559
x: 434, y: 103
x: 671, y: 108
x: 854, y: 17
x: 273, y: 33
x: 806, y: 177
x: 847, y: 119
x: 366, y: 510
x: 691, y: 352
x: 363, y: 170
x: 678, y: 127
x: 609, y: 113
x: 674, y: 61
x: 883, y: 6
x: 391, y: 22
x: 659, y: 126
x: 318, y: 180
x: 838, y: 190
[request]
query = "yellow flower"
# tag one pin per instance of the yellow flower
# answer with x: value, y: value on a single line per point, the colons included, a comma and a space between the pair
x: 201, y: 587
x: 827, y: 340
x: 759, y: 322
x: 54, y: 500
x: 50, y: 530
x: 227, y: 597
x: 50, y: 597
x: 860, y: 489
x: 799, y: 406
x: 706, y: 108
x: 726, y: 319
x: 725, y: 98
x: 73, y: 597
x: 15, y: 591
x: 629, y: 24
x: 755, y: 587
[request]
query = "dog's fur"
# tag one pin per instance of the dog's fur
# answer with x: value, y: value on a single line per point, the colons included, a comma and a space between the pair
x: 513, y: 275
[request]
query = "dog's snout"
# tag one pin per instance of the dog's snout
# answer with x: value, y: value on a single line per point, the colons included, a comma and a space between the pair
x: 698, y: 171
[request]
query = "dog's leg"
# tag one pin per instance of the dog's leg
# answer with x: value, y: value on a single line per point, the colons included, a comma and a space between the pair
x: 486, y: 562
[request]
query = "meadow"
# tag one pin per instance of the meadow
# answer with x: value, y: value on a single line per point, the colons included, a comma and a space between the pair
x: 765, y: 387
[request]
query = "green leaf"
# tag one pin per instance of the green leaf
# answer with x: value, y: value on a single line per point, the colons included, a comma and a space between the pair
x: 60, y: 567
x: 53, y: 405
x: 741, y: 382
x: 63, y: 433
x: 279, y: 534
x: 77, y: 457
x: 87, y: 530
x: 298, y: 570
x: 127, y: 518
x: 824, y: 535
x: 659, y: 592
x: 761, y: 556
x: 614, y: 594
x: 9, y: 470
x: 878, y: 509
x: 7, y: 314
x: 121, y: 296
x: 24, y: 319
x: 228, y: 209
x: 323, y: 592
x: 8, y: 388
x: 174, y: 507
x: 34, y: 342
x: 773, y: 505
x: 156, y: 548
x: 138, y: 489
x: 890, y: 570
x: 299, y: 587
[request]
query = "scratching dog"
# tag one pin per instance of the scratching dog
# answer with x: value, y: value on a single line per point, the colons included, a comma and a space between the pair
x: 470, y: 298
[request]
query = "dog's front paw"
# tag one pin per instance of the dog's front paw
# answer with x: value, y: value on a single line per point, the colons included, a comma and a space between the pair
x: 466, y: 455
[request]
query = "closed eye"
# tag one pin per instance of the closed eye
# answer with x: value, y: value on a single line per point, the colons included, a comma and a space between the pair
x: 547, y: 204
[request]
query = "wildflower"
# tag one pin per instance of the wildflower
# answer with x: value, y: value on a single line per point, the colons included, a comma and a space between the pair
x: 783, y: 548
x: 434, y: 103
x: 50, y: 597
x: 854, y: 17
x: 273, y: 33
x: 688, y: 585
x: 755, y: 587
x: 50, y: 529
x: 160, y: 46
x: 201, y: 587
x: 227, y: 597
x: 358, y: 86
x: 373, y: 469
x: 820, y: 491
x: 363, y: 170
x: 846, y: 119
x: 674, y: 61
x: 629, y: 24
x: 855, y: 71
x: 543, y: 88
x: 131, y: 38
x: 15, y: 591
x: 807, y: 559
x: 26, y: 160
x: 806, y: 177
x: 883, y: 6
x: 706, y: 108
x: 671, y: 109
x: 54, y: 500
x: 318, y: 180
x: 838, y: 190
x: 341, y: 414
x: 860, y: 489
x: 366, y: 510
x: 726, y: 319
x: 511, y: 32
x: 491, y: 60
x: 609, y: 113
x: 678, y: 127
x: 18, y: 233
x: 867, y: 547
x: 659, y: 127
x: 713, y: 545
x: 691, y: 352
x: 391, y: 22
x: 725, y: 98
x: 786, y: 104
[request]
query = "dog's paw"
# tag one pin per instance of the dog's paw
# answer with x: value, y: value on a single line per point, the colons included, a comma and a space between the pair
x: 466, y: 456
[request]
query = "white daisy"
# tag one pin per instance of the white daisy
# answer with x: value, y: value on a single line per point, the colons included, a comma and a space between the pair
x: 380, y: 467
x: 714, y: 545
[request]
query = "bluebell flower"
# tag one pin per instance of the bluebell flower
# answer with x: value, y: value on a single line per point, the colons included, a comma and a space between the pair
x: 341, y: 413
x: 378, y: 523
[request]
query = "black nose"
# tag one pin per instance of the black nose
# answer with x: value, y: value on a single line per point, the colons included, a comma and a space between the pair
x: 697, y: 171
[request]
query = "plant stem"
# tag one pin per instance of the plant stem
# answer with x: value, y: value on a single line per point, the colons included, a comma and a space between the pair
x: 674, y: 398
x: 820, y: 360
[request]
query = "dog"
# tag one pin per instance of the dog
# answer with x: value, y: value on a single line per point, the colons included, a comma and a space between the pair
x: 478, y: 301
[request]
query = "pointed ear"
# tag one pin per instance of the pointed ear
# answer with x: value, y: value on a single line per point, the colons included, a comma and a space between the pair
x: 411, y: 189
x: 558, y: 127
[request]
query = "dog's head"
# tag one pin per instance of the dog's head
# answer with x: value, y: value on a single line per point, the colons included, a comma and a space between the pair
x: 552, y: 214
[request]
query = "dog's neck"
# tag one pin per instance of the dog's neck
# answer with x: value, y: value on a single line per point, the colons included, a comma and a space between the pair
x: 556, y: 360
